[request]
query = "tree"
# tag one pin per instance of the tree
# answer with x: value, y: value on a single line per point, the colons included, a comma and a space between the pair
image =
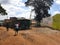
x: 41, y: 8
x: 2, y: 11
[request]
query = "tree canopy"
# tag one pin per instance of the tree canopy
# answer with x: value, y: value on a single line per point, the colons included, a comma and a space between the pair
x: 2, y: 10
x: 41, y: 8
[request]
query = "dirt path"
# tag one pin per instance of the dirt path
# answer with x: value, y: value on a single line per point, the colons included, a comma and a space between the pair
x: 34, y: 36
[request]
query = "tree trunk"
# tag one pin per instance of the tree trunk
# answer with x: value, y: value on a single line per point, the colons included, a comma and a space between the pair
x: 38, y: 24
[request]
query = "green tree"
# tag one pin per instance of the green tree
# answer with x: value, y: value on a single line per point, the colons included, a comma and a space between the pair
x: 2, y: 10
x: 41, y: 8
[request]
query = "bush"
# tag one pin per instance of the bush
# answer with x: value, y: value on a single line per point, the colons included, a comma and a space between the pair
x: 56, y: 21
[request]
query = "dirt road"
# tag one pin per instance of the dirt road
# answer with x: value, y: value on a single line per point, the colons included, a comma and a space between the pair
x: 34, y: 36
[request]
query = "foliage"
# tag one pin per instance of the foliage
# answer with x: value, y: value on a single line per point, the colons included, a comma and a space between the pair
x: 41, y: 8
x: 2, y: 11
x: 56, y: 21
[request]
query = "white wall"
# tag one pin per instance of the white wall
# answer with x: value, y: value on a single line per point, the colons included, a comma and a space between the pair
x: 47, y: 21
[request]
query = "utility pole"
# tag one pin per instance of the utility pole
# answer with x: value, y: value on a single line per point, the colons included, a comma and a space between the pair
x: 31, y: 13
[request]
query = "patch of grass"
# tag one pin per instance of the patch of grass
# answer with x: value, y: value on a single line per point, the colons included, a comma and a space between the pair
x: 56, y: 21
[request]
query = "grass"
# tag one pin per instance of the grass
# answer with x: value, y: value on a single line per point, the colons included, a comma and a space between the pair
x: 56, y: 21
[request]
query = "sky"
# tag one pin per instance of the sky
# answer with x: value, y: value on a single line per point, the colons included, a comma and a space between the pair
x: 17, y: 8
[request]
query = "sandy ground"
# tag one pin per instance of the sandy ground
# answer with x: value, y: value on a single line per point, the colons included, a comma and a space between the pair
x: 34, y: 36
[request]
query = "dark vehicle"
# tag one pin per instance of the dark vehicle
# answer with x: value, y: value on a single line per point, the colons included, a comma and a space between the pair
x: 24, y: 23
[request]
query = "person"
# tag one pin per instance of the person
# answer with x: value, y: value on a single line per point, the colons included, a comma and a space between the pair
x: 7, y: 26
x: 16, y: 28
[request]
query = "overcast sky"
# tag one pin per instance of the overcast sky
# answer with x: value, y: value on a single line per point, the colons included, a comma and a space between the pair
x: 17, y: 8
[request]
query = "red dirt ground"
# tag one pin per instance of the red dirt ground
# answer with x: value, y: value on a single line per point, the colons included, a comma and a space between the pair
x: 34, y: 36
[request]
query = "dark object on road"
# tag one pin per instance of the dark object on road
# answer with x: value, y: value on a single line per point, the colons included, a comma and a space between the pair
x: 6, y: 23
x: 7, y: 26
x: 24, y: 23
